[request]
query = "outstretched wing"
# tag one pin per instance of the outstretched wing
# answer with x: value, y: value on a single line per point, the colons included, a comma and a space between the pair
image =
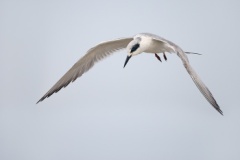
x: 92, y: 56
x: 202, y: 87
x: 199, y: 83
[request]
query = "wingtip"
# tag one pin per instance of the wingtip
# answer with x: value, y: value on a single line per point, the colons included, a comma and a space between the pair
x: 40, y: 100
x: 220, y: 111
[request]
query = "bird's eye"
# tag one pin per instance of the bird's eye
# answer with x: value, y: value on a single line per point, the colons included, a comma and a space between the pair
x: 135, y: 47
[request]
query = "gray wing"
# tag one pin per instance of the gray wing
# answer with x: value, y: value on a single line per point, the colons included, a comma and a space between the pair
x: 199, y: 83
x: 93, y: 55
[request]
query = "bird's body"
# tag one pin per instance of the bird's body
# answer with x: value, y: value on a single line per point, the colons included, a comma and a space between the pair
x: 143, y: 42
x: 148, y: 45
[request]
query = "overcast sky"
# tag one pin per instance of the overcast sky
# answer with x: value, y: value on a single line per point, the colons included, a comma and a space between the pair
x: 148, y: 110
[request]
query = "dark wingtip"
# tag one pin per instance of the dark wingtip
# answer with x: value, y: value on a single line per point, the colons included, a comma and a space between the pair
x: 220, y: 111
x: 50, y: 92
x: 40, y: 100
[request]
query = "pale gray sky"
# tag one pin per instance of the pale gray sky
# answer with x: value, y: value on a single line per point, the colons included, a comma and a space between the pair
x: 148, y: 110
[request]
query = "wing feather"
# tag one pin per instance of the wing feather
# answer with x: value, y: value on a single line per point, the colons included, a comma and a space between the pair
x: 196, y: 79
x: 92, y: 56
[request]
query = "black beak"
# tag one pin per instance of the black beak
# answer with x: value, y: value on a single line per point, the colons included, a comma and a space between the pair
x: 126, y: 61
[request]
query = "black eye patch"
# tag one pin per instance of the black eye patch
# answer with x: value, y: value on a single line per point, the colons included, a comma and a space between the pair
x: 135, y: 47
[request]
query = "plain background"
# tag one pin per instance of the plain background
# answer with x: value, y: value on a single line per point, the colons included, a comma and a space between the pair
x: 148, y: 110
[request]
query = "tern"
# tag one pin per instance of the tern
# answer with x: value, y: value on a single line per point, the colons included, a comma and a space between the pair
x: 143, y: 42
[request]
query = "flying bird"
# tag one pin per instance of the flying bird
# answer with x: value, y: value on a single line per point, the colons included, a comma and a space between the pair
x: 143, y: 42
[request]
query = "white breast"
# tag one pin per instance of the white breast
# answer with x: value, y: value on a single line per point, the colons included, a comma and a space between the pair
x: 149, y: 45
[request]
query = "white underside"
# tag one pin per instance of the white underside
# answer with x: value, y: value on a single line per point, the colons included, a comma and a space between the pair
x: 148, y: 45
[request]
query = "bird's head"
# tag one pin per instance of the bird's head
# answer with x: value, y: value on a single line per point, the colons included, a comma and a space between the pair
x: 133, y: 49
